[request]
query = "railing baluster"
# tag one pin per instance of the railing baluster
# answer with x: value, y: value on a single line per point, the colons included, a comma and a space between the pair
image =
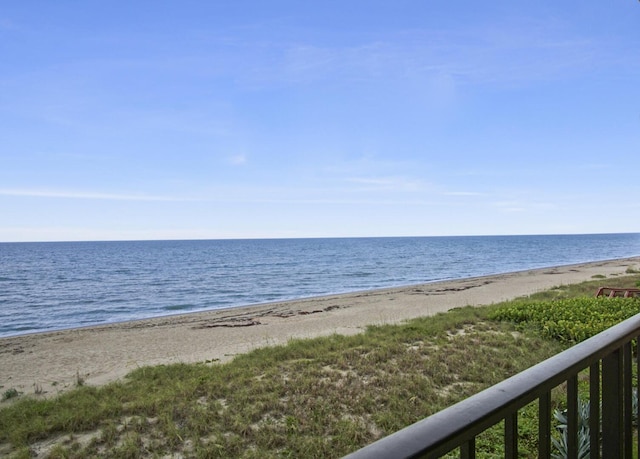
x: 544, y: 425
x: 594, y: 410
x: 628, y: 420
x: 468, y: 449
x: 612, y: 404
x: 511, y: 435
x: 638, y: 385
x: 572, y: 417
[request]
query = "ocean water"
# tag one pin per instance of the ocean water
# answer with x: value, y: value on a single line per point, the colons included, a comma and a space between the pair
x: 49, y: 286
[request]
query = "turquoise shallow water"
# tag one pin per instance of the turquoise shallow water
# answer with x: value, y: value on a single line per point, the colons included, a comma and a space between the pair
x: 48, y: 286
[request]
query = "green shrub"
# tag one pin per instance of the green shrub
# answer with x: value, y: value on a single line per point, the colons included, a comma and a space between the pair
x: 569, y: 320
x: 9, y: 394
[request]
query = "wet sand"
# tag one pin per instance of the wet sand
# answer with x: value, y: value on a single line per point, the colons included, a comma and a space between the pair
x: 52, y: 362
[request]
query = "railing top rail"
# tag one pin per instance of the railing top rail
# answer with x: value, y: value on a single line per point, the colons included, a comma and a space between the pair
x: 448, y: 428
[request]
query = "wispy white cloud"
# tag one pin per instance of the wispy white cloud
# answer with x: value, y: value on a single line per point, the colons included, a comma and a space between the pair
x: 515, y: 51
x: 596, y: 167
x: 72, y: 194
x: 526, y: 204
x: 238, y: 160
x: 388, y: 183
x: 462, y: 193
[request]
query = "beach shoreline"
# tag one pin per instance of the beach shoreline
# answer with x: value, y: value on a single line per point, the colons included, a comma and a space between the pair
x: 52, y: 362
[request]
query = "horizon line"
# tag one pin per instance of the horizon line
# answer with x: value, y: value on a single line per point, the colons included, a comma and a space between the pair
x: 196, y: 239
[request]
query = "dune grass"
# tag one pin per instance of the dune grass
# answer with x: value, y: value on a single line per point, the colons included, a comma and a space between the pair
x: 322, y: 397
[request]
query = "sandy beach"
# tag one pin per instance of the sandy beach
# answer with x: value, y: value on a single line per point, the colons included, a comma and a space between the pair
x: 52, y: 362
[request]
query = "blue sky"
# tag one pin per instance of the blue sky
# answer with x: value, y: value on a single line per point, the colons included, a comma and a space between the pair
x: 237, y: 119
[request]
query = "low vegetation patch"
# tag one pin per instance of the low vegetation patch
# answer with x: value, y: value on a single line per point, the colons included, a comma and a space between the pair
x: 9, y: 394
x: 570, y: 320
x: 321, y: 398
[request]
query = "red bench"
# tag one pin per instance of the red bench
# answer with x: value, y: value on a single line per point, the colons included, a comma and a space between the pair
x: 621, y: 292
